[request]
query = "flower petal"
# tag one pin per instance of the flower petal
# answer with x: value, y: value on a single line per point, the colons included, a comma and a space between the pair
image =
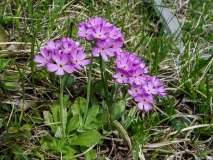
x: 52, y: 67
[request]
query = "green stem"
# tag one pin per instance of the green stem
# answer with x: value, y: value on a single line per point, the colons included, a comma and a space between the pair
x: 105, y: 85
x: 114, y: 101
x: 88, y: 87
x: 61, y: 98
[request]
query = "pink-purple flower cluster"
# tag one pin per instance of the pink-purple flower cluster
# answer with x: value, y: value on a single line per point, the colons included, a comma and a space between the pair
x: 109, y: 38
x: 131, y: 70
x: 61, y: 56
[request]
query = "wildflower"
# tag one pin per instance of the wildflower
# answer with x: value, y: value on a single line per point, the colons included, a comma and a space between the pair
x: 161, y: 91
x: 135, y: 90
x: 103, y: 48
x: 137, y: 77
x: 124, y: 63
x: 145, y: 101
x: 78, y: 59
x: 93, y: 22
x: 51, y: 45
x: 117, y: 44
x: 44, y: 58
x: 84, y: 31
x: 62, y: 63
x: 114, y: 33
x: 149, y: 88
x: 156, y: 81
x: 100, y: 32
x: 121, y: 76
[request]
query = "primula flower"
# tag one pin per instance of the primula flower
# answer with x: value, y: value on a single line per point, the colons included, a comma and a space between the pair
x: 62, y: 63
x: 44, y: 58
x: 84, y: 31
x: 117, y: 44
x: 113, y: 32
x: 51, y: 45
x: 121, y: 76
x: 67, y: 47
x: 135, y: 90
x: 149, y: 88
x: 103, y: 48
x: 92, y: 22
x: 78, y: 59
x: 124, y: 63
x: 100, y: 32
x: 161, y: 91
x: 156, y: 81
x: 137, y: 77
x: 145, y: 102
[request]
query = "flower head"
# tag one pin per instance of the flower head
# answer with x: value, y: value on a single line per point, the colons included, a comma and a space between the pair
x: 44, y: 58
x: 144, y: 102
x: 103, y: 48
x: 78, y: 59
x: 61, y: 56
x: 60, y: 64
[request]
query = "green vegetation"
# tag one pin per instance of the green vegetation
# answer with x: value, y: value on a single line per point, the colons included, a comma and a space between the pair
x: 179, y: 125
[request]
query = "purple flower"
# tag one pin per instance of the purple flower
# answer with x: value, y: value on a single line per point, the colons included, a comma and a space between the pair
x: 62, y: 63
x: 137, y: 77
x: 78, y: 59
x: 100, y: 32
x: 124, y: 63
x: 121, y: 76
x: 103, y: 48
x: 113, y: 32
x: 68, y: 47
x: 145, y: 102
x: 92, y: 22
x: 44, y: 58
x: 117, y: 44
x: 156, y: 81
x: 135, y: 90
x: 51, y: 45
x: 149, y: 88
x: 84, y: 31
x: 161, y: 91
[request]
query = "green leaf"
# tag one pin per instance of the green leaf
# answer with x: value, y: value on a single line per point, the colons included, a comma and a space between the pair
x: 3, y: 63
x: 16, y: 148
x: 87, y: 139
x: 13, y: 129
x: 7, y: 107
x: 69, y: 81
x: 48, y: 143
x: 10, y: 77
x: 26, y: 126
x: 92, y: 113
x: 205, y: 153
x: 118, y: 110
x: 73, y: 123
x: 25, y: 133
x: 79, y: 106
x: 90, y: 155
x: 48, y: 120
x: 69, y: 155
x: 3, y: 37
x: 13, y: 86
x: 55, y: 112
x: 1, y: 121
x: 177, y: 124
x: 58, y: 132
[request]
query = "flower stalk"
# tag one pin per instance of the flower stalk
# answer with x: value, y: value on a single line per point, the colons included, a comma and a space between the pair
x: 62, y: 109
x: 88, y: 87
